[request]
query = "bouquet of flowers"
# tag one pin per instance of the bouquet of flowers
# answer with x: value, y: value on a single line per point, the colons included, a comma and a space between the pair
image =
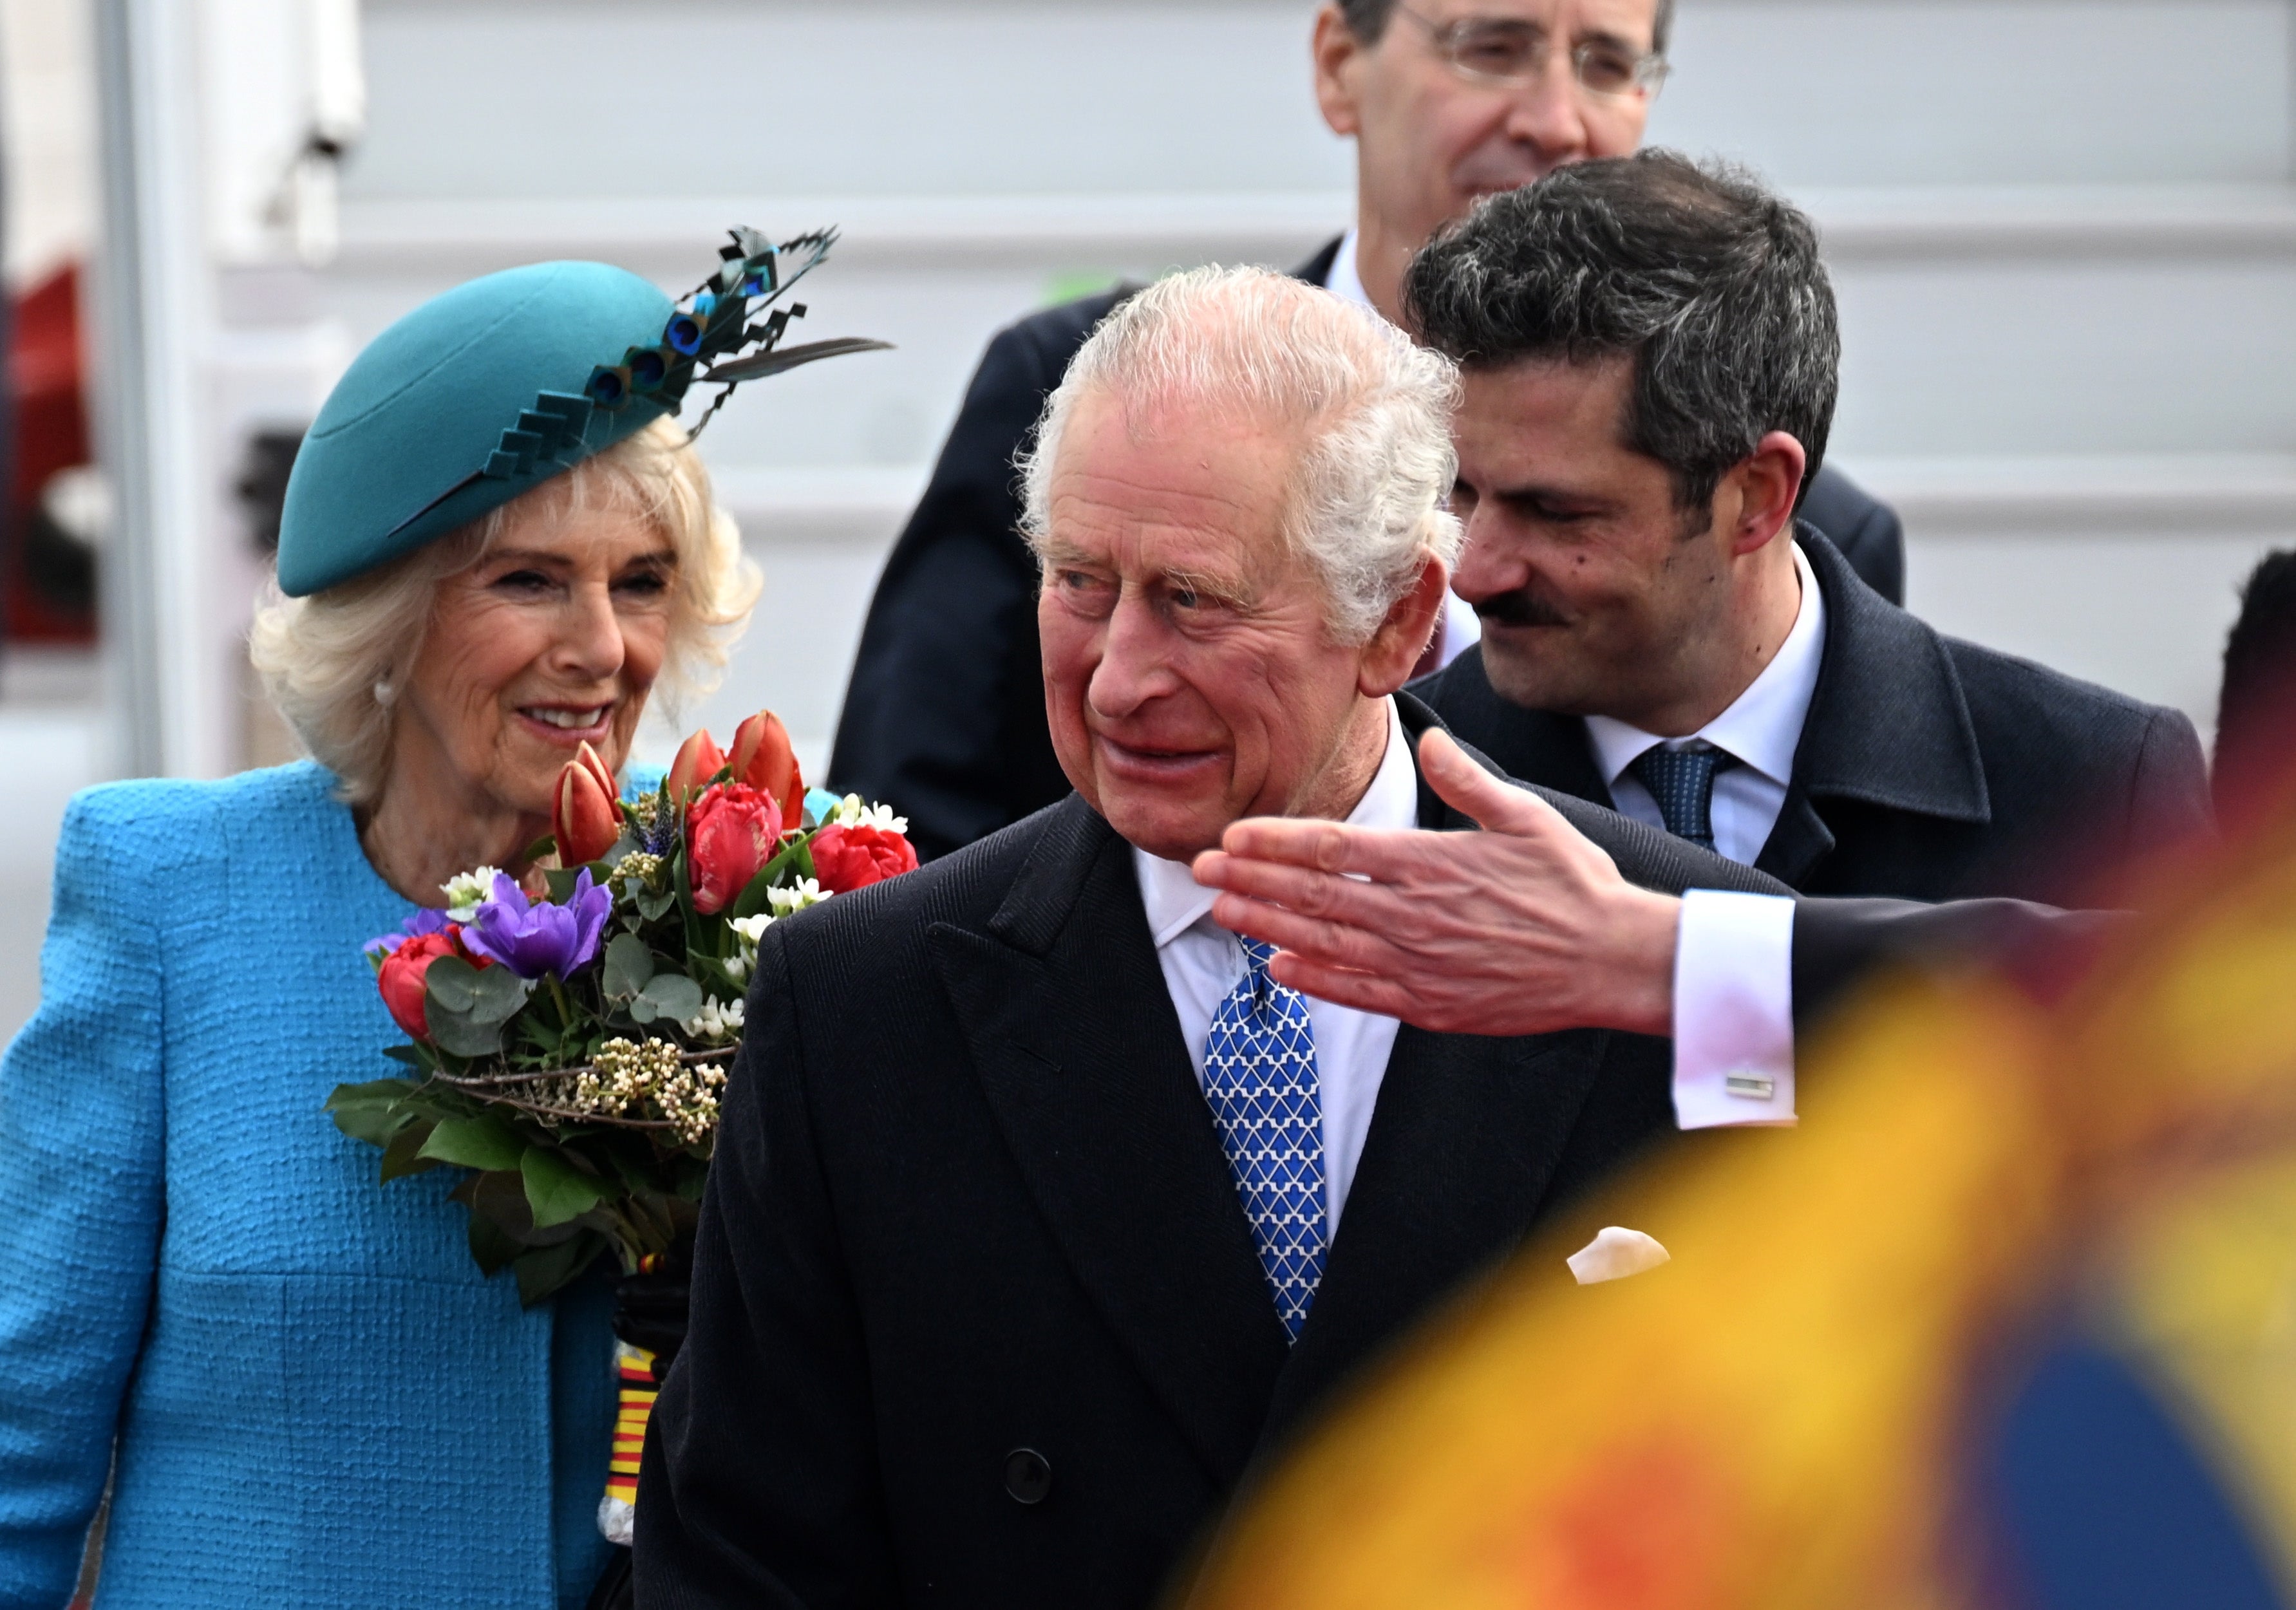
x: 570, y: 1036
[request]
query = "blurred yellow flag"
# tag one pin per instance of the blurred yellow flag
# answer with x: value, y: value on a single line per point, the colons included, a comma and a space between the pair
x: 1785, y: 1414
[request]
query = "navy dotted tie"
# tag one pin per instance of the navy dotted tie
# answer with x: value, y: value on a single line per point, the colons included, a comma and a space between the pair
x: 1681, y: 781
x: 1259, y: 1079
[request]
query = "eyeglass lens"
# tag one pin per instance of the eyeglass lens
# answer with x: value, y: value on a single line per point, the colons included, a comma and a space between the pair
x: 1507, y: 51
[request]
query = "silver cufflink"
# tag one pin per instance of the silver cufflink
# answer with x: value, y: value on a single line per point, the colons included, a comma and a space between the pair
x: 1751, y: 1087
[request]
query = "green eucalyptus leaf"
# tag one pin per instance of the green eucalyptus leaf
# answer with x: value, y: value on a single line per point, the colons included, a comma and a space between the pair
x: 556, y: 1190
x: 671, y: 995
x: 484, y: 1142
x: 652, y: 905
x: 461, y: 1032
x: 451, y: 984
x: 497, y: 994
x: 629, y: 964
x: 560, y: 880
x: 413, y: 1056
x: 404, y: 1155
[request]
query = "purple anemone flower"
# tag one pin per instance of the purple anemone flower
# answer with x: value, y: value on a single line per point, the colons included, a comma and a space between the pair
x: 532, y: 939
x: 423, y: 922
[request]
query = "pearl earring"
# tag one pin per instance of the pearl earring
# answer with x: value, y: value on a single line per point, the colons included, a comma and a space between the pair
x: 384, y: 692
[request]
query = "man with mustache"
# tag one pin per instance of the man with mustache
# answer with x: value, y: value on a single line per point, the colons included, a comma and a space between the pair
x: 1649, y: 351
x: 1446, y: 101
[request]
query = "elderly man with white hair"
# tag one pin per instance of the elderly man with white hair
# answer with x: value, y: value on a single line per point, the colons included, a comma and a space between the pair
x: 1039, y: 1210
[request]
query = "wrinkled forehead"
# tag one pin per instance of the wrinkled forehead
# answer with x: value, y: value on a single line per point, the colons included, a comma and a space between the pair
x: 1172, y: 473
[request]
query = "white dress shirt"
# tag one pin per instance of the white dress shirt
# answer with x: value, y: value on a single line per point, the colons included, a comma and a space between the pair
x: 1761, y: 730
x: 1203, y: 962
x: 1733, y: 962
x: 1729, y: 1016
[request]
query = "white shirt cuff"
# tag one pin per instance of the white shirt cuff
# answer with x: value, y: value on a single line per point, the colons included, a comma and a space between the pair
x: 1733, y: 1041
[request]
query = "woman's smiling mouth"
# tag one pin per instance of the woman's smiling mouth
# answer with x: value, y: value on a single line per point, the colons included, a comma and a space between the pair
x: 568, y: 724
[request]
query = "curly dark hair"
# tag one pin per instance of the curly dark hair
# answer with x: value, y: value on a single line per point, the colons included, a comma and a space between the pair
x: 1708, y: 281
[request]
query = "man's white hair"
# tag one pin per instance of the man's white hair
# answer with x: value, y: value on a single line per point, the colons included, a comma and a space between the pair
x: 1364, y: 501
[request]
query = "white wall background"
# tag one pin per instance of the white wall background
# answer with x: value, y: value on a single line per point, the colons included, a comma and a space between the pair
x: 2064, y: 232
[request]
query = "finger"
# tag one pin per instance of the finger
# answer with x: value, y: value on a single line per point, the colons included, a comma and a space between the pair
x: 1384, y: 854
x: 1325, y: 845
x: 1335, y: 943
x: 1342, y: 986
x: 1327, y: 895
x: 1496, y: 805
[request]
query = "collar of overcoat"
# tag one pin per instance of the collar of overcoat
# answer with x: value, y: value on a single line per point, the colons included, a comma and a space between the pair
x: 1888, y: 726
x: 1078, y: 1052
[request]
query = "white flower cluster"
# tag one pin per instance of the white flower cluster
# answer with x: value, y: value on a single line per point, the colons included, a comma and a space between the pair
x: 716, y: 1024
x: 466, y: 891
x: 749, y: 930
x: 627, y: 1078
x: 851, y: 813
x: 796, y: 897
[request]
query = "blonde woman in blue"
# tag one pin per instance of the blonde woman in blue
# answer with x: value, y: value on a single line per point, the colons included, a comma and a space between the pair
x: 299, y: 1385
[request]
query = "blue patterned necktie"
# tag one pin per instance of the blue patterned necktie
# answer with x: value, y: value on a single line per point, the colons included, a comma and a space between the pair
x: 1259, y: 1079
x: 1681, y: 781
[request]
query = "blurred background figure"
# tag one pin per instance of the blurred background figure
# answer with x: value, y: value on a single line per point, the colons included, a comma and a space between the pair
x: 2256, y: 710
x: 2067, y: 331
x: 1446, y: 101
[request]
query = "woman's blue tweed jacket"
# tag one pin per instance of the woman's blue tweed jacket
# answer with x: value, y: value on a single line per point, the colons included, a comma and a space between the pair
x: 318, y: 1398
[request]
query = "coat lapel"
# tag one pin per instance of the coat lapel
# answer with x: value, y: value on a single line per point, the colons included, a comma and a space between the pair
x: 1887, y: 725
x: 1464, y: 1141
x: 1799, y: 841
x: 1080, y: 1054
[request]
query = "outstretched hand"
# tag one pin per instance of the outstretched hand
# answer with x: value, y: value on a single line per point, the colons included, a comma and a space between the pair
x: 1521, y: 929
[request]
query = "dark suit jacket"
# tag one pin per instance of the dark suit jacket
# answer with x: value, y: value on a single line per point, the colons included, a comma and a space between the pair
x: 968, y: 1200
x: 943, y: 719
x: 1929, y: 768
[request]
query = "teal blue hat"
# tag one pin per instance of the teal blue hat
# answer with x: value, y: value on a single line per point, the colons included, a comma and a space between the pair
x: 485, y: 392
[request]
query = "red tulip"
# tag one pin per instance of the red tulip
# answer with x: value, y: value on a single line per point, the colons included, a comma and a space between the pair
x: 405, y: 971
x: 583, y: 816
x: 590, y: 762
x: 763, y: 759
x: 698, y: 761
x: 853, y: 858
x: 731, y: 831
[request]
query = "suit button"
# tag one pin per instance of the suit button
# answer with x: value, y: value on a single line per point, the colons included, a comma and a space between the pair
x: 1028, y: 1477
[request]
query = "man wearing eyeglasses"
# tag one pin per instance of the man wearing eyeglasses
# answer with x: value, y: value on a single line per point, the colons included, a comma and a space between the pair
x: 1446, y: 101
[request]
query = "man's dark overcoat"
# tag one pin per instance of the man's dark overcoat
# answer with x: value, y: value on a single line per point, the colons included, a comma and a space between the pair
x: 1929, y: 768
x: 969, y: 1234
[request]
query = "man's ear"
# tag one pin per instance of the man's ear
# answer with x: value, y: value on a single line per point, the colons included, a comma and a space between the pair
x: 1766, y: 484
x: 1338, y: 55
x: 1394, y: 649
